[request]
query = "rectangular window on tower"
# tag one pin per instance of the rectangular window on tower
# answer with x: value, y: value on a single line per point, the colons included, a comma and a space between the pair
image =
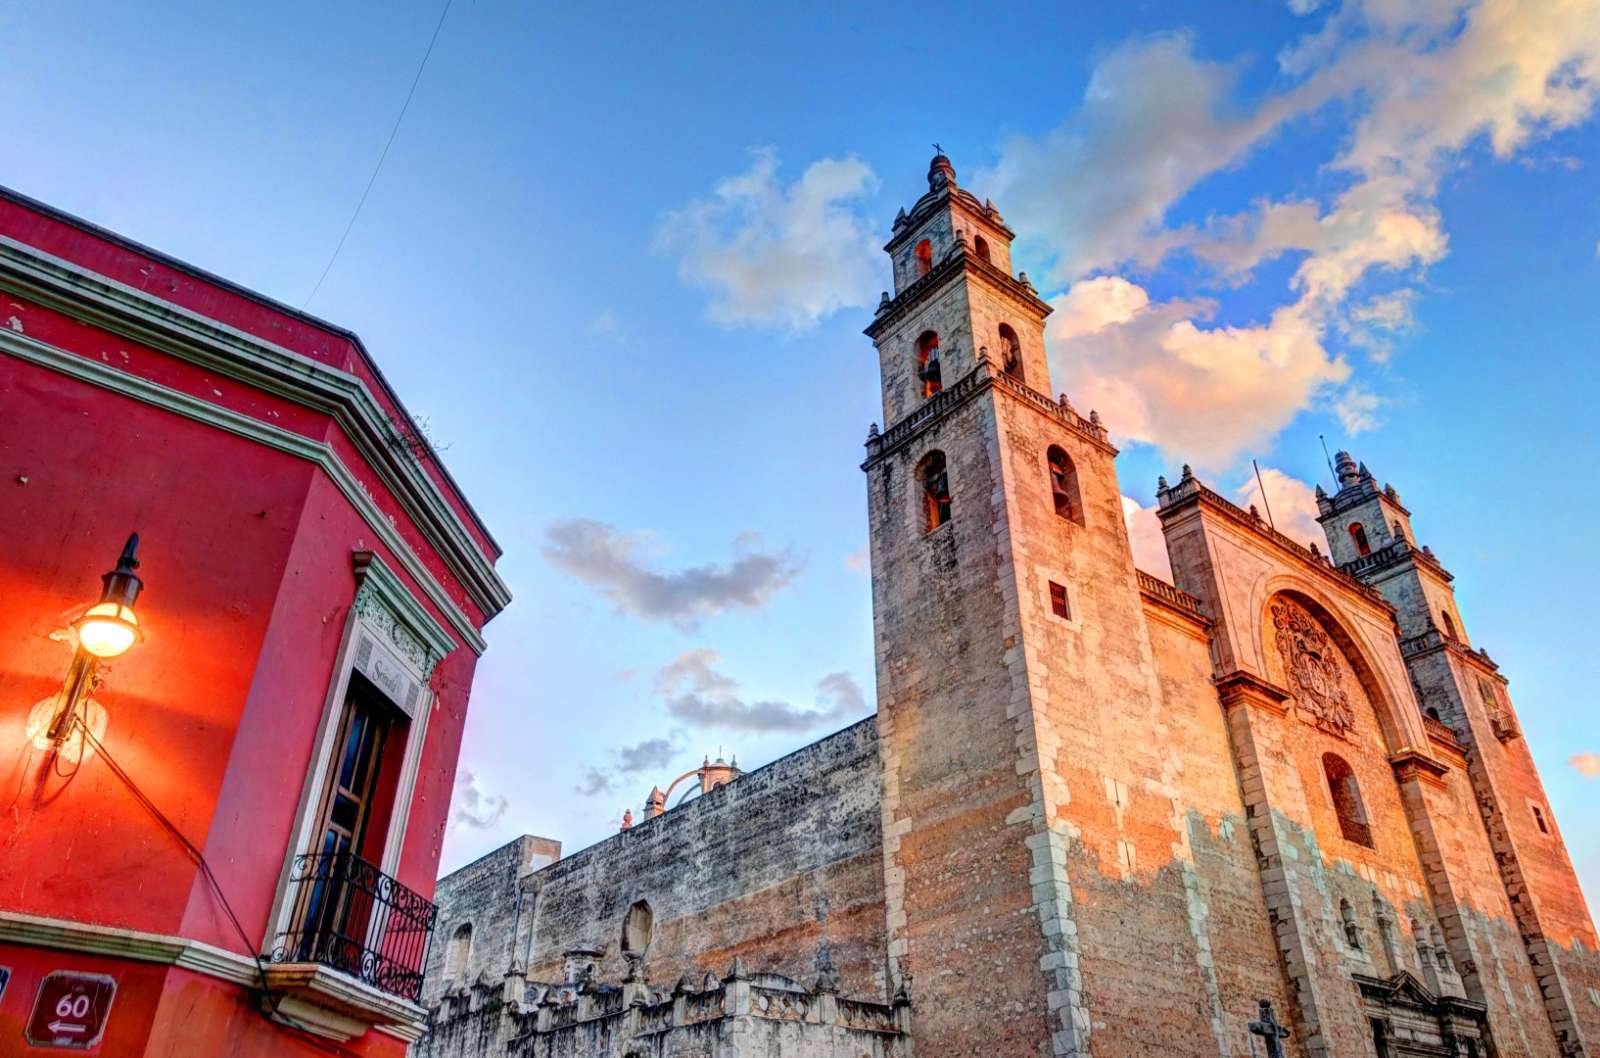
x: 1058, y: 601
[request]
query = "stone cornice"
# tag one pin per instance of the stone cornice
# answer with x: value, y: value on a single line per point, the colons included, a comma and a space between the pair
x: 979, y: 380
x: 1413, y: 763
x: 1392, y: 556
x: 929, y: 204
x: 390, y: 1015
x: 1188, y: 492
x: 958, y: 262
x: 1434, y: 641
x: 1246, y: 688
x: 102, y: 302
x: 141, y: 389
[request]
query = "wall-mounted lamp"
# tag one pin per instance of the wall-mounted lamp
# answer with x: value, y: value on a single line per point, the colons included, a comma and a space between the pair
x: 105, y: 630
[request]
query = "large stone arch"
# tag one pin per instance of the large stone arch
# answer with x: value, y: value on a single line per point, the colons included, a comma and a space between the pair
x: 1392, y: 700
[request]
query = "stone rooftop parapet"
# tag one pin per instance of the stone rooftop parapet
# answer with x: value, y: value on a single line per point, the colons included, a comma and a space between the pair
x: 1393, y: 555
x: 632, y: 1019
x: 1189, y: 490
x: 1170, y: 596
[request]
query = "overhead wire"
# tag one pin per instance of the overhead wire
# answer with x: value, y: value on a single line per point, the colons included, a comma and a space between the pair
x: 423, y: 65
x: 199, y: 858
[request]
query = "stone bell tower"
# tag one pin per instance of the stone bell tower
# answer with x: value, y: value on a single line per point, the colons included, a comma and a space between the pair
x: 1459, y: 687
x: 1010, y: 646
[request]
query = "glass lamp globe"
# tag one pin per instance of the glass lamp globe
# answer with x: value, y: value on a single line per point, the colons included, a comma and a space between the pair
x: 108, y: 629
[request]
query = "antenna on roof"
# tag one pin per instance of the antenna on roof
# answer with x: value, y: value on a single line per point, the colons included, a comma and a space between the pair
x: 1263, y: 487
x: 1327, y: 457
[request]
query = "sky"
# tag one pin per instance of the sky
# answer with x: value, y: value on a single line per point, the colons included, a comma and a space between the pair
x: 618, y: 259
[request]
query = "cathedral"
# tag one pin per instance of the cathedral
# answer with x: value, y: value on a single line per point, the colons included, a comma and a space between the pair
x: 1279, y: 806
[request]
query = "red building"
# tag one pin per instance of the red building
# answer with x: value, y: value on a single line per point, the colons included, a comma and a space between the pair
x: 223, y: 840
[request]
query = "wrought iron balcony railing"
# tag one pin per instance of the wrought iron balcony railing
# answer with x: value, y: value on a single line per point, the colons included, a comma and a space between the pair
x: 349, y: 916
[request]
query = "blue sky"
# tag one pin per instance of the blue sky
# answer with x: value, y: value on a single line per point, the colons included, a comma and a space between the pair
x: 620, y: 261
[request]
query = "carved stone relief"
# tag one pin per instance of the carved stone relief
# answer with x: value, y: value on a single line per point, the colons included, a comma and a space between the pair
x: 382, y: 620
x: 1311, y: 665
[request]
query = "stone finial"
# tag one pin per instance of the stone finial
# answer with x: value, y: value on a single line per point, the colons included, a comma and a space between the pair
x: 1255, y: 515
x: 1094, y: 417
x: 900, y: 219
x: 872, y: 431
x: 1161, y: 485
x: 656, y: 803
x: 1322, y: 493
x: 883, y: 302
x: 627, y: 818
x: 1022, y: 277
x: 1363, y: 473
x: 1344, y: 467
x: 1064, y: 402
x: 941, y: 173
x: 1187, y: 475
x: 1315, y: 550
x: 736, y: 970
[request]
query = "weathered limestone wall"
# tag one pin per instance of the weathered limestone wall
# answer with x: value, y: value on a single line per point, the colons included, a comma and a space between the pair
x: 756, y: 1016
x: 483, y: 897
x: 945, y: 315
x: 1161, y: 903
x: 781, y: 867
x: 958, y: 821
x: 1425, y: 897
x: 1534, y: 869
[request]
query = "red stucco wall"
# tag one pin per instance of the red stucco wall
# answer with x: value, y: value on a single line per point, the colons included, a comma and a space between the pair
x: 247, y: 559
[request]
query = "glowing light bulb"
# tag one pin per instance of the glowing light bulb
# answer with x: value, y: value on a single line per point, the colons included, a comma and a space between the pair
x: 107, y: 629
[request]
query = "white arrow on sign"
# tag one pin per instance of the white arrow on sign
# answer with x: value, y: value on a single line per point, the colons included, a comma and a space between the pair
x: 66, y: 1027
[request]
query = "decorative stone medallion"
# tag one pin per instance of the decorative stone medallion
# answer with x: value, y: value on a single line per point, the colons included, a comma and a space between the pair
x: 1311, y: 662
x: 371, y: 609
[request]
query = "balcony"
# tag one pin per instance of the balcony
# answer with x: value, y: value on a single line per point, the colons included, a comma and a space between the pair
x: 346, y: 915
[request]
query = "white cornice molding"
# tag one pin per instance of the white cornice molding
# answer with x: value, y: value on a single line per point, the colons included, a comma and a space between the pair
x: 319, y: 452
x: 377, y: 583
x: 318, y: 984
x: 40, y: 932
x: 171, y: 329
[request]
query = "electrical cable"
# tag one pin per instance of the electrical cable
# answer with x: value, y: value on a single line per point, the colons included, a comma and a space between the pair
x: 216, y: 887
x: 381, y: 157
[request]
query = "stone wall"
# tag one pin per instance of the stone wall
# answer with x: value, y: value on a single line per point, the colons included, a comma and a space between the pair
x: 484, y: 897
x: 781, y: 867
x: 745, y: 1016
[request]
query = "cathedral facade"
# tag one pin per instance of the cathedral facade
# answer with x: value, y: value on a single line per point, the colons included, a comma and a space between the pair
x: 1280, y: 805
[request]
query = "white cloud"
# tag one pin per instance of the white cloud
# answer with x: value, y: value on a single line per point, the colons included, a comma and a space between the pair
x: 1292, y: 502
x: 1587, y: 763
x: 778, y: 254
x: 471, y: 806
x: 1357, y: 410
x: 1157, y: 375
x: 1153, y: 121
x: 1424, y: 80
x: 609, y: 325
x: 610, y: 561
x: 696, y: 693
x: 1144, y: 534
